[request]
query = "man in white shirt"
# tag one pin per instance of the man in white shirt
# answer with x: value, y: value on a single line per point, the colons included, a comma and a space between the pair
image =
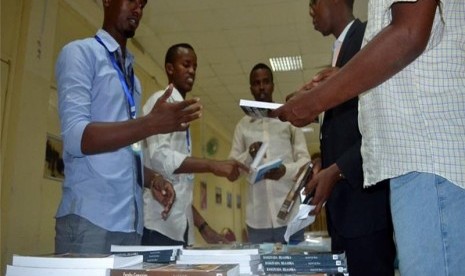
x: 170, y: 155
x: 284, y: 141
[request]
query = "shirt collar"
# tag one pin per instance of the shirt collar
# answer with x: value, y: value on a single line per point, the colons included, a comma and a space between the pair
x: 344, y: 32
x: 175, y: 95
x: 112, y: 45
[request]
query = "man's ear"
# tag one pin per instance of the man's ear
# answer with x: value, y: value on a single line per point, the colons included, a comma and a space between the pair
x: 106, y: 3
x: 169, y: 69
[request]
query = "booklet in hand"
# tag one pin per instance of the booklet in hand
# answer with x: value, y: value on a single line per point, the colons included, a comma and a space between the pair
x: 257, y: 109
x: 295, y: 191
x: 258, y: 170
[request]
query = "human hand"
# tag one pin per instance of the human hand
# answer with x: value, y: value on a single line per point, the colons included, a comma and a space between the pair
x: 321, y: 76
x: 231, y: 169
x: 302, y: 106
x: 300, y: 110
x: 211, y: 236
x: 168, y: 117
x: 163, y: 192
x: 323, y: 182
x: 253, y: 148
x: 276, y: 174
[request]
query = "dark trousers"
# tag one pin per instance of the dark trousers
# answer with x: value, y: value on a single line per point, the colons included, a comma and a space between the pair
x: 152, y: 237
x: 273, y: 235
x: 368, y: 255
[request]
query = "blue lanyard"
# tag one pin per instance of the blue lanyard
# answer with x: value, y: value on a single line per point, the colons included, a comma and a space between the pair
x: 129, y: 92
x: 188, y: 138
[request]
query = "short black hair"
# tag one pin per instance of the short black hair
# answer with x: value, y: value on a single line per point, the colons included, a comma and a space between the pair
x: 171, y: 53
x: 260, y: 66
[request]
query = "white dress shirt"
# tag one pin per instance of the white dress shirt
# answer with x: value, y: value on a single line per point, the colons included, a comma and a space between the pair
x: 284, y: 141
x: 164, y: 153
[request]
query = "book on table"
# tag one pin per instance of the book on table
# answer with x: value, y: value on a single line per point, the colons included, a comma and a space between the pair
x: 257, y: 109
x: 259, y: 169
x: 306, y: 269
x: 222, y: 249
x: 150, y: 254
x: 73, y: 260
x: 248, y: 264
x: 296, y: 259
x: 245, y: 255
x: 12, y: 270
x: 302, y: 263
x: 304, y: 255
x: 151, y: 269
x: 68, y: 264
x: 140, y: 248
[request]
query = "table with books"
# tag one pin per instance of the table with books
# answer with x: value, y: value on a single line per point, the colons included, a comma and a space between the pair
x: 213, y: 260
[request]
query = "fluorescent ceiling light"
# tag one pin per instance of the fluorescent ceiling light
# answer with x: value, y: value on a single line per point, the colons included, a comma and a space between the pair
x: 286, y: 63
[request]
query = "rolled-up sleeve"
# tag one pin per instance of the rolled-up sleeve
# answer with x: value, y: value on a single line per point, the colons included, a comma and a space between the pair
x: 74, y: 77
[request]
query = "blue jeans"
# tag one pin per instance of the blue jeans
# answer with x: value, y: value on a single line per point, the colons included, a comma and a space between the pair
x: 76, y: 234
x: 428, y: 213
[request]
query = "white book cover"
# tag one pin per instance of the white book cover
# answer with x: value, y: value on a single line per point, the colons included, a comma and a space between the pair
x: 259, y: 156
x: 257, y: 169
x: 257, y: 109
x: 222, y: 249
x: 143, y: 248
x: 220, y: 257
x: 12, y: 270
x: 70, y: 260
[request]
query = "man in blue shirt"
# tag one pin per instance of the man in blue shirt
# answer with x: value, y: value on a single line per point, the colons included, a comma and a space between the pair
x: 99, y: 98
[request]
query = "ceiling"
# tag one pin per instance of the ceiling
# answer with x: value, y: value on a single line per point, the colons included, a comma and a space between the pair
x: 230, y: 37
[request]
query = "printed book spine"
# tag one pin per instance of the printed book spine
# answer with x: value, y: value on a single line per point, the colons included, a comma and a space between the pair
x: 308, y: 256
x: 308, y: 269
x: 155, y: 256
x: 302, y: 263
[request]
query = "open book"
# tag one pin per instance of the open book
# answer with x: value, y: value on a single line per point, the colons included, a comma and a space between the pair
x: 257, y: 109
x: 258, y: 170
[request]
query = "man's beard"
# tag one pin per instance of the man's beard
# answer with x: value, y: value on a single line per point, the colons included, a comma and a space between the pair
x: 129, y: 33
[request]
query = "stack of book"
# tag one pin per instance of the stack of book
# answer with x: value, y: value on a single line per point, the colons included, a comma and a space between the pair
x: 304, y: 262
x: 245, y: 255
x: 152, y: 269
x: 68, y: 264
x: 150, y: 254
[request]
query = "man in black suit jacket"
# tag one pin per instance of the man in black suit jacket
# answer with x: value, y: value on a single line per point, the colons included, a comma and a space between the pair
x: 359, y: 220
